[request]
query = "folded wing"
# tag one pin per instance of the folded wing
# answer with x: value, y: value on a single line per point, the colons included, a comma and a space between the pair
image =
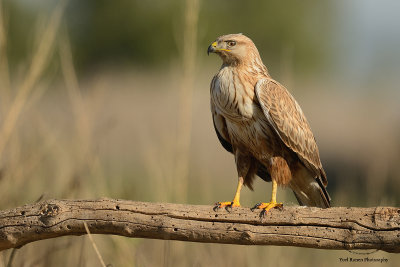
x: 286, y: 117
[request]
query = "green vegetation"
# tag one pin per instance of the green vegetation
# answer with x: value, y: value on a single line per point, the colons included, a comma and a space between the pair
x: 148, y: 33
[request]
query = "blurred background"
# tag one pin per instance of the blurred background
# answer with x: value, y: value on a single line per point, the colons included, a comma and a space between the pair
x: 111, y: 99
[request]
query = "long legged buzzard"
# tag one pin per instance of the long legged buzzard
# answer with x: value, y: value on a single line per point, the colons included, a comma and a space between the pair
x: 260, y: 122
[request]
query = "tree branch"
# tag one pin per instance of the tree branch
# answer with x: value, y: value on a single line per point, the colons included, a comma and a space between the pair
x: 334, y: 228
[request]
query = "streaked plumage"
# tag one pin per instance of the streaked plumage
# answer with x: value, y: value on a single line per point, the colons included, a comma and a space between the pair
x: 260, y: 122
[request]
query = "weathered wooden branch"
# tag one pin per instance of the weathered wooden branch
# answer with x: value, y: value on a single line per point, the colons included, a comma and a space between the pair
x: 334, y: 228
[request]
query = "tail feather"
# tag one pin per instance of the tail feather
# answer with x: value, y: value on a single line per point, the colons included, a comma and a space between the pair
x: 310, y: 191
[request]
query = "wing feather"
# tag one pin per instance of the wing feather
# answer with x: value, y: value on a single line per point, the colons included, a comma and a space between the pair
x: 289, y: 122
x: 221, y: 129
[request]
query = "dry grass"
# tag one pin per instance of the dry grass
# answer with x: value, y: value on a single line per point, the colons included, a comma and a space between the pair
x: 94, y: 246
x: 39, y: 61
x: 117, y: 134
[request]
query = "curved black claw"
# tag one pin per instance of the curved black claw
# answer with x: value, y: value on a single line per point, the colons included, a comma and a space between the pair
x: 216, y: 208
x: 219, y: 205
x: 256, y: 206
x: 229, y: 207
x: 262, y: 214
x: 264, y: 211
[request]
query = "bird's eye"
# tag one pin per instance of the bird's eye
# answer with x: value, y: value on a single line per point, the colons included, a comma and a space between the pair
x: 231, y: 43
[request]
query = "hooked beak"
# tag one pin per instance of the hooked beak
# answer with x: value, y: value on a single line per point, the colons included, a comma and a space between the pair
x: 211, y: 48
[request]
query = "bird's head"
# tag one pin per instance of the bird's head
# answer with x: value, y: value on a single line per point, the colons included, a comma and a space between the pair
x: 234, y: 48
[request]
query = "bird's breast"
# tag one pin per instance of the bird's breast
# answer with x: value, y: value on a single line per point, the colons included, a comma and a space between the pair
x: 233, y: 95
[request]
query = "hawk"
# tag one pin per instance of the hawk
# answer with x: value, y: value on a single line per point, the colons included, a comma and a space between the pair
x: 260, y: 122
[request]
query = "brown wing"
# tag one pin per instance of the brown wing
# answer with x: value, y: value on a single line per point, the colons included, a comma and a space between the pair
x: 288, y: 120
x: 220, y: 129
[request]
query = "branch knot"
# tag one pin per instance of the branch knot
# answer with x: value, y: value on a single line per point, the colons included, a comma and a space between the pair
x: 48, y: 211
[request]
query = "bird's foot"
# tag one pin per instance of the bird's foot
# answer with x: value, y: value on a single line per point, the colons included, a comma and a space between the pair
x: 266, y: 207
x: 228, y: 205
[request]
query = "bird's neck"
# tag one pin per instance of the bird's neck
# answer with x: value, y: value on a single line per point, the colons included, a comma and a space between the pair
x: 254, y: 66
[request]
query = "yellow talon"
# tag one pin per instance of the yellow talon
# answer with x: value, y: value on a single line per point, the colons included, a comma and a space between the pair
x: 231, y: 204
x: 269, y: 205
x: 228, y: 205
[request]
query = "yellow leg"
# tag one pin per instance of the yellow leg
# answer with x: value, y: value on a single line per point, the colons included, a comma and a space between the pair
x: 236, y: 199
x: 272, y: 204
x: 274, y: 190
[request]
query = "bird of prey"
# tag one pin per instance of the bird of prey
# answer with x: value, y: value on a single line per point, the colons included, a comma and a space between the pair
x: 260, y: 122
